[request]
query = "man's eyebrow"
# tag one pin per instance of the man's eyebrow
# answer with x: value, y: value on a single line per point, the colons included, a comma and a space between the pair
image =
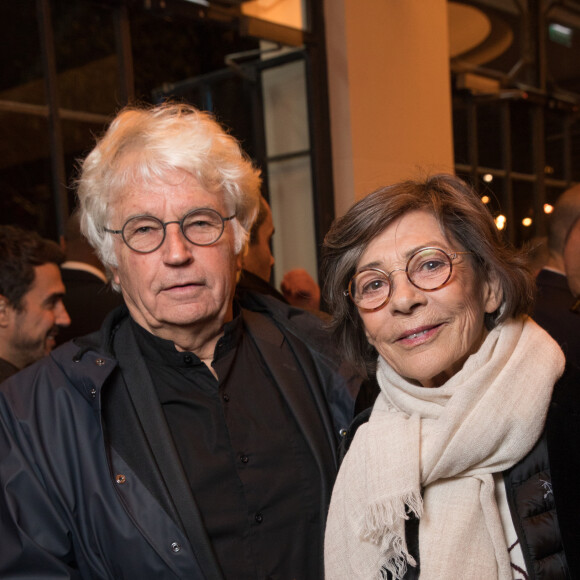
x: 53, y: 298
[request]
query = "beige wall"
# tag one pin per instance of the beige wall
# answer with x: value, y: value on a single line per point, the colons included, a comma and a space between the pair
x: 390, y: 101
x: 285, y: 12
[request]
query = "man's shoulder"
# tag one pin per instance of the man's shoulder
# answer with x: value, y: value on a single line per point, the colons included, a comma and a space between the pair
x: 83, y: 363
x: 551, y: 280
x: 7, y: 369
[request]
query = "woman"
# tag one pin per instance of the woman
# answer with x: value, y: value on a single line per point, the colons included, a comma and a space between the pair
x: 443, y: 476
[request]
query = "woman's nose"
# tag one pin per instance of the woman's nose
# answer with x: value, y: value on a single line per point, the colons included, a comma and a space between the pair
x: 405, y: 297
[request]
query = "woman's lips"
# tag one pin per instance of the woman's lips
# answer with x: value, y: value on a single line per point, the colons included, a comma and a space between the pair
x: 418, y: 335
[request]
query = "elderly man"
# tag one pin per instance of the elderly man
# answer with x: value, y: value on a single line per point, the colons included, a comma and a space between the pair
x: 191, y: 438
x: 31, y: 293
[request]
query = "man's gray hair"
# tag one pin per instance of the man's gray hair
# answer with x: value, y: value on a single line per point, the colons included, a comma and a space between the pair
x: 145, y: 144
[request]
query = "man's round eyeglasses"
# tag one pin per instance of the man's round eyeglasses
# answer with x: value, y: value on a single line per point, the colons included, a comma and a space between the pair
x: 427, y: 269
x: 145, y: 233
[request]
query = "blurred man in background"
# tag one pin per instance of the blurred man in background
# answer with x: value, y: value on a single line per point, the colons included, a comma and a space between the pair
x: 89, y: 296
x: 258, y: 261
x: 554, y: 300
x: 572, y: 261
x: 31, y: 298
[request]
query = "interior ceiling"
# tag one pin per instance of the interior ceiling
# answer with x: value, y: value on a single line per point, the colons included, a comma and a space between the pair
x: 479, y: 33
x: 476, y: 36
x: 487, y: 33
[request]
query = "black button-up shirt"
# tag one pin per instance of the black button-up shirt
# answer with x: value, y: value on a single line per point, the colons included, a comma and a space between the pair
x: 249, y: 467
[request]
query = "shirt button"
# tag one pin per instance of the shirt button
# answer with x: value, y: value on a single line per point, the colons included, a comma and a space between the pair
x: 244, y: 459
x: 175, y: 547
x: 259, y: 518
x: 226, y: 398
x: 187, y: 359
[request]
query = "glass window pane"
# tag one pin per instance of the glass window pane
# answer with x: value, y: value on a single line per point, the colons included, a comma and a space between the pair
x: 78, y: 140
x: 525, y: 221
x: 522, y: 138
x: 294, y: 243
x: 169, y: 49
x: 21, y: 79
x: 562, y: 41
x: 25, y: 173
x: 555, y: 144
x: 285, y: 103
x: 461, y: 129
x: 575, y: 150
x: 489, y: 135
x: 86, y: 63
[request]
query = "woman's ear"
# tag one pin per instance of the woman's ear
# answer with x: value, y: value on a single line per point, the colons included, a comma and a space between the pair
x: 492, y: 293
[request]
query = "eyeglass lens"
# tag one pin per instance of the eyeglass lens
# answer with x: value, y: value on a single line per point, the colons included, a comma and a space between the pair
x: 428, y: 269
x: 146, y: 233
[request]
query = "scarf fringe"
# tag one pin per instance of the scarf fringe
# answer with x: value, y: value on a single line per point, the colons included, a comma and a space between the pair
x: 394, y: 557
x: 377, y: 527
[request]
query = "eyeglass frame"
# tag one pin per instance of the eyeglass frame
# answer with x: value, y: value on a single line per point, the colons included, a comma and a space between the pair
x: 451, y: 256
x: 165, y: 224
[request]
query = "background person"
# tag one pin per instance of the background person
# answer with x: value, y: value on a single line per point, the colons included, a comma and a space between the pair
x: 572, y: 258
x: 192, y: 437
x: 32, y: 312
x: 452, y: 476
x: 554, y: 301
x: 89, y: 296
x: 300, y: 289
x: 258, y: 261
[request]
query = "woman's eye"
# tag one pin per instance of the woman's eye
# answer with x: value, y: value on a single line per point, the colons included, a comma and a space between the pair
x: 373, y: 286
x: 432, y: 265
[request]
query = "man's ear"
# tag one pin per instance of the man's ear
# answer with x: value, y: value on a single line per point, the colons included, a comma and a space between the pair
x: 115, y: 275
x: 6, y: 311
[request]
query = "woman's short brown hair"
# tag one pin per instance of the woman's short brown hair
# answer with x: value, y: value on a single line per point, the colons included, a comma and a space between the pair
x: 462, y: 216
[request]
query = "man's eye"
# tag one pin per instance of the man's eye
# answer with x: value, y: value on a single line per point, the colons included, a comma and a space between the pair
x: 199, y: 224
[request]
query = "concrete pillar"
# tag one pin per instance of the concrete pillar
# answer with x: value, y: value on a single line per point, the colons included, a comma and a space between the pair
x: 390, y: 98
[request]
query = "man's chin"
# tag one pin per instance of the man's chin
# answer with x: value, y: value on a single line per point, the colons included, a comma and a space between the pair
x: 49, y: 344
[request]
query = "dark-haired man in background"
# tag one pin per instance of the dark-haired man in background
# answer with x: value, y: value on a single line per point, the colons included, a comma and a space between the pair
x: 89, y: 296
x: 31, y: 292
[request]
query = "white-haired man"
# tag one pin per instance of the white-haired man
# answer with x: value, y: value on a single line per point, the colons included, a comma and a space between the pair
x: 193, y: 438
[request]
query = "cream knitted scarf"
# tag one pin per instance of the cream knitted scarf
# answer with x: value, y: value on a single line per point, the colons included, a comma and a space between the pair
x: 433, y: 452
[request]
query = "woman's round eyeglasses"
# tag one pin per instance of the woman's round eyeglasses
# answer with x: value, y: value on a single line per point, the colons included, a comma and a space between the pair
x: 145, y: 234
x: 427, y: 269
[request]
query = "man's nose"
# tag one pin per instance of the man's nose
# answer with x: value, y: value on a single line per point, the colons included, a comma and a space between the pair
x: 62, y: 317
x: 176, y: 247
